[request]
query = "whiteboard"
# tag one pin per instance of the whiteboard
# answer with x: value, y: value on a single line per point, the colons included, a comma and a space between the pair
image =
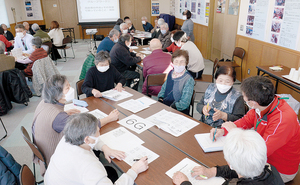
x: 272, y: 21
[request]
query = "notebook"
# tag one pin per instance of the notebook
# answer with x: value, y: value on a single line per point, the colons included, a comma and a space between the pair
x: 208, y: 145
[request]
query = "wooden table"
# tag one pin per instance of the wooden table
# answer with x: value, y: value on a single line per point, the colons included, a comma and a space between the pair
x: 277, y: 76
x: 143, y: 36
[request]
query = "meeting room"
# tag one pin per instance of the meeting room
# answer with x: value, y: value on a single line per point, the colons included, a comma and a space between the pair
x: 162, y: 92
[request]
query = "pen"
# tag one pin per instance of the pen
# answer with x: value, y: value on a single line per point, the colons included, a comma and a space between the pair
x: 215, y: 134
x: 138, y: 159
x: 202, y: 176
x: 207, y: 108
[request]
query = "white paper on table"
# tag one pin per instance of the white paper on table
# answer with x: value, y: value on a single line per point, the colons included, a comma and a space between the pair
x: 134, y: 51
x: 18, y: 53
x: 147, y: 49
x: 185, y: 166
x: 121, y: 139
x: 139, y: 152
x: 116, y: 95
x: 98, y: 114
x: 134, y: 47
x: 133, y: 105
x: 146, y: 100
x: 136, y: 123
x: 172, y: 123
x: 146, y: 52
x: 72, y: 106
x: 208, y: 145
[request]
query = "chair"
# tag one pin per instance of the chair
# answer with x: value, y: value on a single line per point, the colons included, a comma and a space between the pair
x: 26, y: 177
x: 156, y: 80
x: 193, y: 102
x: 209, y: 78
x: 78, y: 88
x: 64, y: 47
x: 238, y: 52
x: 4, y: 130
x: 34, y: 149
x: 48, y: 45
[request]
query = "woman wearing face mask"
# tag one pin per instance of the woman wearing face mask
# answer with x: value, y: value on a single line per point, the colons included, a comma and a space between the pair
x: 221, y: 102
x: 102, y: 77
x: 188, y: 25
x: 74, y: 162
x: 50, y: 118
x: 196, y: 62
x: 173, y: 47
x: 177, y: 90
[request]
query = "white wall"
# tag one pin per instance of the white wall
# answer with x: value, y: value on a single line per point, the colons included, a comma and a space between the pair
x: 164, y: 6
x: 19, y: 9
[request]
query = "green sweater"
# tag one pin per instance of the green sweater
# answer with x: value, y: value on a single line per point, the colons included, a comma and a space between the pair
x: 88, y: 63
x: 43, y: 35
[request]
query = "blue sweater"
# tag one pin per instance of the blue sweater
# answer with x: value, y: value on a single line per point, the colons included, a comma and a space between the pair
x: 105, y: 45
x: 148, y: 27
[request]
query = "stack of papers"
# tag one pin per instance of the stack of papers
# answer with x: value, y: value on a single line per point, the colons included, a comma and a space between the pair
x: 208, y: 145
x: 136, y: 123
x: 18, y: 53
x: 98, y: 114
x: 185, y: 166
x: 146, y: 52
x: 172, y: 123
x: 123, y: 140
x: 116, y: 95
x: 138, y: 104
x: 72, y: 106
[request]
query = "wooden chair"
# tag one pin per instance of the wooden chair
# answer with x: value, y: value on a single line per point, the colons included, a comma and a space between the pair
x: 78, y: 88
x: 64, y: 47
x: 4, y: 130
x: 34, y: 149
x: 26, y: 177
x: 238, y: 52
x: 209, y: 78
x: 193, y: 102
x: 156, y: 80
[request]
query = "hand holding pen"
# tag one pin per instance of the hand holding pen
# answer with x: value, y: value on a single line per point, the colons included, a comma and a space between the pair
x: 141, y: 165
x: 215, y: 133
x: 203, y: 173
x: 206, y: 109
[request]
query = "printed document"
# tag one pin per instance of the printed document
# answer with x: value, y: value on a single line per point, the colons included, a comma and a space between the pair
x: 116, y: 95
x: 136, y: 123
x: 208, y: 145
x: 133, y: 105
x: 98, y: 114
x: 139, y: 152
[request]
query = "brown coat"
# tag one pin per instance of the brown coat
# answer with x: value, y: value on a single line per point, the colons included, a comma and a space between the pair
x: 6, y: 62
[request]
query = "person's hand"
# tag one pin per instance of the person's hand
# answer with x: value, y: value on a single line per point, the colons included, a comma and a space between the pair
x: 229, y: 125
x: 141, y: 165
x: 113, y: 115
x: 119, y: 87
x: 130, y: 50
x: 219, y: 133
x: 72, y: 111
x: 96, y: 93
x: 205, y: 110
x: 132, y: 31
x: 108, y: 152
x: 12, y: 41
x: 219, y: 115
x: 200, y: 172
x: 26, y: 54
x: 179, y: 177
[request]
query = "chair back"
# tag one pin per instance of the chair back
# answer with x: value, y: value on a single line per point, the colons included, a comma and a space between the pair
x: 215, y: 66
x: 67, y: 40
x: 238, y: 52
x: 26, y: 177
x: 78, y: 88
x: 156, y: 80
x: 32, y: 146
x: 47, y: 45
x: 192, y: 102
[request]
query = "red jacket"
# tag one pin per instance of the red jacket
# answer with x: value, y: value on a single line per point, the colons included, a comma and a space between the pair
x: 281, y: 132
x: 173, y: 47
x: 5, y: 41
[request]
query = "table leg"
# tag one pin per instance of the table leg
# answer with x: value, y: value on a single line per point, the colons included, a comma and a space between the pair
x: 258, y: 71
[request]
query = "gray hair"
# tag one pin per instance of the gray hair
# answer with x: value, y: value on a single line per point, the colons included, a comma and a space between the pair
x: 125, y: 37
x: 165, y: 25
x: 122, y: 26
x: 35, y: 27
x: 145, y: 18
x: 102, y: 56
x: 53, y: 88
x: 113, y: 32
x: 246, y: 152
x: 80, y: 126
x: 37, y: 42
x: 160, y: 21
x: 25, y: 23
x: 2, y: 47
x: 20, y: 26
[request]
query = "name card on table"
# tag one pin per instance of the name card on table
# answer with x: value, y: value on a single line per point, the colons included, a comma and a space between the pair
x: 136, y: 123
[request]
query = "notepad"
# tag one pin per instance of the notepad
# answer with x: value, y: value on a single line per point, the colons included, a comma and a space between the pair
x: 116, y: 95
x: 208, y: 145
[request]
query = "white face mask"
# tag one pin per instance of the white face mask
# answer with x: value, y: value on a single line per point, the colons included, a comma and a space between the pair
x: 258, y: 112
x: 130, y: 27
x: 223, y: 88
x: 248, y: 105
x: 92, y: 145
x: 179, y: 45
x: 128, y: 45
x: 70, y: 94
x: 184, y: 17
x: 20, y: 34
x: 115, y: 41
x: 178, y: 69
x: 5, y: 31
x: 172, y: 40
x: 102, y: 69
x: 125, y: 31
x: 143, y: 22
x: 163, y: 31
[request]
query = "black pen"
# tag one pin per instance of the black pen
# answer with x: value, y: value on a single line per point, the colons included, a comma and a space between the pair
x: 138, y: 159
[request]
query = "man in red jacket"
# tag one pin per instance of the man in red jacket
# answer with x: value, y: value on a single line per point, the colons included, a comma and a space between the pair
x: 274, y: 120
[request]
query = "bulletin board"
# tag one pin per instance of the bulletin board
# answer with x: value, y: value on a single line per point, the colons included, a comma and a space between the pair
x: 272, y: 21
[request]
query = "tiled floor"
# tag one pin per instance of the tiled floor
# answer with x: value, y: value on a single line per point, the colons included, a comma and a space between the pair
x: 22, y: 115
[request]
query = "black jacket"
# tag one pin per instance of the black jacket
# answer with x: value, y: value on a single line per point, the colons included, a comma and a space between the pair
x: 268, y: 177
x: 122, y: 58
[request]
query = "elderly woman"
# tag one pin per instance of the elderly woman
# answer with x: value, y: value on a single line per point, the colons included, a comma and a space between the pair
x: 131, y: 28
x: 74, y: 162
x: 50, y: 118
x: 7, y: 43
x: 102, y: 77
x: 57, y: 35
x: 117, y: 25
x: 196, y: 62
x: 9, y: 36
x: 221, y: 102
x: 177, y: 90
x: 246, y: 154
x: 188, y: 25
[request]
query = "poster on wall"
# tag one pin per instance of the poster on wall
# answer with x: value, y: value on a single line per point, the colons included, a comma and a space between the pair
x: 233, y: 8
x: 221, y: 6
x: 155, y: 8
x: 33, y: 10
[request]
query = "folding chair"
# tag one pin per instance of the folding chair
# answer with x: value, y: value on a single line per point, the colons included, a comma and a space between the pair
x: 26, y: 177
x: 155, y: 80
x: 78, y: 88
x: 4, y: 130
x: 64, y: 47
